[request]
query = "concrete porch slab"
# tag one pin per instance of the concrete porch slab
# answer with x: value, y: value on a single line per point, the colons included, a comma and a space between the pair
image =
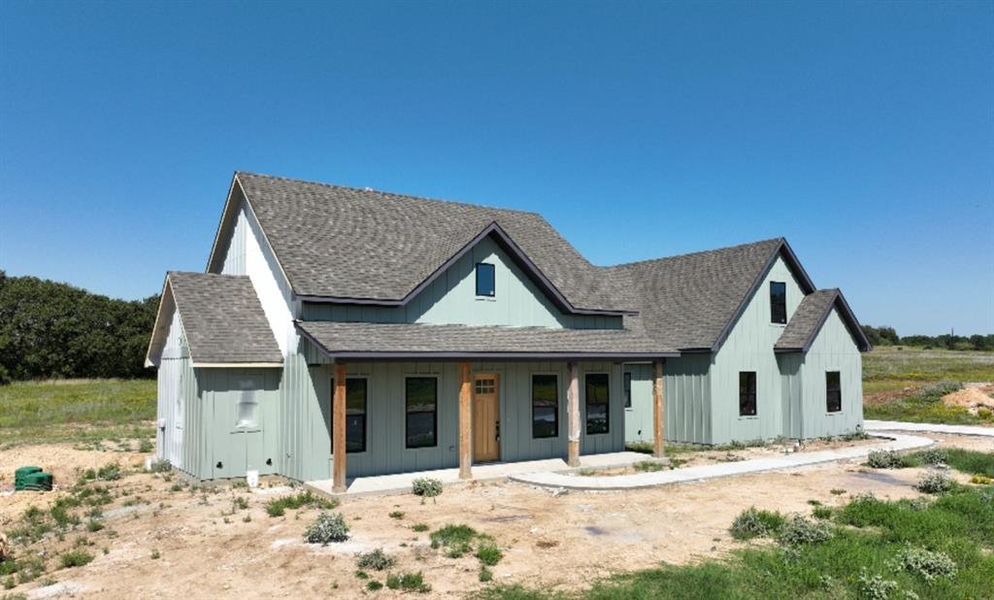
x: 401, y: 482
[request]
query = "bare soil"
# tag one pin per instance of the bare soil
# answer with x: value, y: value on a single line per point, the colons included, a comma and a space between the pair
x: 208, y: 548
x: 974, y: 397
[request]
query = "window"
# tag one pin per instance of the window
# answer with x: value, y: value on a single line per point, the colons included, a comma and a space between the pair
x: 355, y: 413
x: 485, y: 284
x: 628, y: 389
x: 597, y: 403
x: 778, y: 302
x: 248, y: 405
x: 485, y: 386
x: 833, y: 391
x: 545, y: 406
x: 422, y: 412
x: 747, y: 393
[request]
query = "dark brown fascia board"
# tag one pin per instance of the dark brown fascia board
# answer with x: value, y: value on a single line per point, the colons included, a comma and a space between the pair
x: 508, y: 245
x: 391, y: 355
x: 807, y: 286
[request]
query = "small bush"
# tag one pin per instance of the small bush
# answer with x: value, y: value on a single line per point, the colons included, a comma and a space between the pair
x: 374, y: 585
x: 934, y: 482
x: 876, y: 587
x: 278, y: 507
x: 409, y: 582
x: 145, y: 446
x: 926, y: 563
x: 155, y: 554
x: 419, y: 527
x: 799, y: 531
x: 933, y: 456
x: 75, y: 558
x: 822, y: 512
x: 396, y: 515
x: 376, y: 560
x: 457, y: 538
x: 753, y: 523
x: 884, y: 459
x: 486, y: 574
x: 836, y: 491
x: 328, y: 528
x: 160, y: 466
x: 488, y: 553
x: 94, y: 526
x: 426, y: 487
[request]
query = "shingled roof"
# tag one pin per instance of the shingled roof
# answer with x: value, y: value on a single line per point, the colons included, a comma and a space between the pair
x: 690, y: 302
x: 378, y: 340
x: 222, y: 318
x: 362, y: 245
x: 809, y: 317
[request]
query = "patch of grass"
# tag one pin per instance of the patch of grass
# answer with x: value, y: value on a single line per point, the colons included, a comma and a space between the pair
x: 376, y: 560
x: 420, y: 527
x: 373, y: 586
x: 752, y: 523
x: 278, y: 506
x: 408, y: 582
x: 486, y: 574
x: 396, y: 515
x: 457, y: 539
x: 80, y: 411
x: 649, y: 466
x: 75, y: 558
x: 488, y: 553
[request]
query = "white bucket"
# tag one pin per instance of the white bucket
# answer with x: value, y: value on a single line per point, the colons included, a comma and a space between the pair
x: 252, y: 478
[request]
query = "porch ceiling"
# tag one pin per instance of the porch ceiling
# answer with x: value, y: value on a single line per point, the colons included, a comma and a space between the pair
x: 418, y: 341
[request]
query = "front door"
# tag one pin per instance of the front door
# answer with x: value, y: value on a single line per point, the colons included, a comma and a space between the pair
x: 486, y: 418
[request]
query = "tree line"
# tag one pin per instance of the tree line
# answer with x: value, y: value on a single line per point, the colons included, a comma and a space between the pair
x: 887, y: 336
x: 55, y: 330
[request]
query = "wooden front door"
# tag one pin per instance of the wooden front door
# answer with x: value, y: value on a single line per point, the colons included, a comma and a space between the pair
x: 486, y: 418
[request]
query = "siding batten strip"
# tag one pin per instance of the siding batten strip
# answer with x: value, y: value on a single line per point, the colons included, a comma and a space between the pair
x: 658, y: 404
x: 338, y: 435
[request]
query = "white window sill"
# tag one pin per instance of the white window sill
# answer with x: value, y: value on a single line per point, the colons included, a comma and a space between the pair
x: 486, y: 299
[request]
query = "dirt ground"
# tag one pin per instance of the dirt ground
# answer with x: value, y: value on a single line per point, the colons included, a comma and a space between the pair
x: 974, y: 397
x: 207, y: 548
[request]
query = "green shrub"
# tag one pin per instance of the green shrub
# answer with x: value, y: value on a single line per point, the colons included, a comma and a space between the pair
x: 374, y: 585
x: 409, y: 582
x: 328, y: 528
x: 160, y: 466
x: 488, y: 553
x: 94, y: 526
x: 145, y: 446
x: 884, y: 459
x: 876, y: 587
x: 426, y: 487
x: 486, y: 574
x: 278, y: 506
x: 396, y: 515
x: 649, y: 466
x: 419, y: 527
x: 753, y: 523
x: 934, y: 482
x: 376, y: 560
x: 458, y: 539
x: 933, y: 456
x: 799, y: 531
x: 822, y: 512
x: 926, y: 563
x: 75, y: 558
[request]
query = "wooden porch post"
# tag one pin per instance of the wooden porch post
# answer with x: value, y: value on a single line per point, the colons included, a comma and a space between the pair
x: 338, y: 434
x: 573, y: 412
x: 658, y: 413
x: 465, y: 424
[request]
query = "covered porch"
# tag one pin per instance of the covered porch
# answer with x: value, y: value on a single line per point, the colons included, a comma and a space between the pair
x: 473, y: 402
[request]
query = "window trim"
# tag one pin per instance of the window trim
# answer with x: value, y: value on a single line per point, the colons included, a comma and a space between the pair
x: 365, y: 413
x: 556, y: 412
x: 626, y: 388
x: 754, y: 394
x: 773, y: 315
x: 493, y: 273
x: 586, y: 404
x: 407, y: 445
x: 829, y: 390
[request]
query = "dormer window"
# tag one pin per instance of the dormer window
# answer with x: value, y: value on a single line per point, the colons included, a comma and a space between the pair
x: 485, y: 284
x: 778, y: 302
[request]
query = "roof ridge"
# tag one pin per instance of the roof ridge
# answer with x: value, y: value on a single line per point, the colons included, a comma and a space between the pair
x: 689, y: 254
x: 389, y: 194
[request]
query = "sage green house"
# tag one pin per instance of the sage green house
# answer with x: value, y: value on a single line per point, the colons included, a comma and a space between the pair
x: 340, y: 333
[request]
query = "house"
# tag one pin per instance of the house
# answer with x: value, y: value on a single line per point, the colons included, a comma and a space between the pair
x: 339, y: 333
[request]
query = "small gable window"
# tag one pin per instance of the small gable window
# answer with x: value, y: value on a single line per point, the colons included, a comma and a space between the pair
x: 485, y: 280
x: 747, y: 393
x: 833, y: 391
x: 778, y: 302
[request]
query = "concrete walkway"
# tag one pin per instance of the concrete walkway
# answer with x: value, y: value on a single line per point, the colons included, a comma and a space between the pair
x: 896, y: 442
x: 928, y: 427
x: 401, y: 482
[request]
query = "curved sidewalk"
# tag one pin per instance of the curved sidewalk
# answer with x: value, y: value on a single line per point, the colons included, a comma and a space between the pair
x: 928, y: 427
x: 897, y: 442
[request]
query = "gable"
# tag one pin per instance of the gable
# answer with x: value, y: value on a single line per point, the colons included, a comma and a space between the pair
x: 450, y: 298
x: 834, y: 337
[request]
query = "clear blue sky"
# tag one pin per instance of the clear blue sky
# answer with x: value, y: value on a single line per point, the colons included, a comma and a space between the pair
x: 864, y: 133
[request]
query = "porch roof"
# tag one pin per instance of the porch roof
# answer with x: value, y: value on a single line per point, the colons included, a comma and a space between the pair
x: 420, y: 341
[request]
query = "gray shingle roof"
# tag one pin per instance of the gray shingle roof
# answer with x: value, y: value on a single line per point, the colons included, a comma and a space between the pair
x: 356, y: 339
x: 809, y: 317
x: 347, y: 243
x: 223, y: 319
x: 688, y: 301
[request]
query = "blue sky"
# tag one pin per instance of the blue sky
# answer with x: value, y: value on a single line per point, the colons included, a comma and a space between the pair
x: 864, y: 133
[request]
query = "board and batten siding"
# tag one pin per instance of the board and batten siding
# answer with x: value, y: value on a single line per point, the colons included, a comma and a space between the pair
x: 749, y: 347
x: 832, y: 350
x: 177, y: 404
x: 451, y: 299
x: 307, y: 435
x: 790, y: 393
x: 687, y: 398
